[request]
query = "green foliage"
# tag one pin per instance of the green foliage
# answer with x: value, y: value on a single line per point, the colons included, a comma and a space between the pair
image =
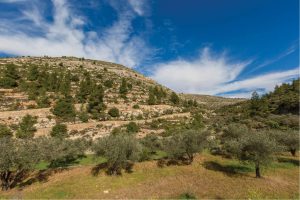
x: 135, y: 106
x: 183, y: 146
x: 26, y: 127
x: 6, y: 82
x: 108, y: 83
x: 120, y: 150
x: 123, y: 87
x: 285, y: 98
x: 5, y: 131
x: 10, y: 77
x: 258, y: 106
x: 288, y: 139
x: 132, y: 127
x: 152, y: 143
x: 156, y: 95
x: 62, y: 153
x: 43, y: 101
x: 85, y: 88
x: 65, y: 84
x: 59, y: 131
x: 17, y: 157
x: 187, y: 196
x: 151, y: 100
x: 11, y: 71
x: 33, y: 73
x: 114, y: 112
x: 174, y: 98
x: 83, y: 116
x: 251, y: 146
x: 95, y: 101
x: 64, y: 109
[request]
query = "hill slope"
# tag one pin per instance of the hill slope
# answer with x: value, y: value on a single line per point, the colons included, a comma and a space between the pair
x: 36, y: 85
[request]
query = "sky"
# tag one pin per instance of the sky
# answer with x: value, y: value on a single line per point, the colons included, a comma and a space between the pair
x: 215, y: 47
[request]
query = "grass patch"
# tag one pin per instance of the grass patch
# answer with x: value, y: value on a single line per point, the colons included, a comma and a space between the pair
x: 83, y: 161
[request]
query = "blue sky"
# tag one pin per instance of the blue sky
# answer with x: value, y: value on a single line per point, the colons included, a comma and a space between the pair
x: 226, y: 48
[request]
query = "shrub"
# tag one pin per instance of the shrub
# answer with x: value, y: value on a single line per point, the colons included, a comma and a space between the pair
x: 33, y: 73
x: 83, y: 116
x: 95, y: 101
x: 59, y: 131
x: 64, y: 109
x: 5, y: 131
x: 108, y: 83
x: 7, y: 82
x: 26, y: 127
x: 132, y: 127
x: 123, y: 87
x: 136, y: 106
x: 114, y: 112
x: 174, y: 98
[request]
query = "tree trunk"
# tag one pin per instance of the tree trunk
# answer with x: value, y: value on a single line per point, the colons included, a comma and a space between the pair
x: 257, y: 170
x: 293, y: 152
x: 5, y: 180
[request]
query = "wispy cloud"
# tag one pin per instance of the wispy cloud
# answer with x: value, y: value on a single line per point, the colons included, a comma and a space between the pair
x: 66, y: 35
x: 287, y: 52
x: 216, y: 75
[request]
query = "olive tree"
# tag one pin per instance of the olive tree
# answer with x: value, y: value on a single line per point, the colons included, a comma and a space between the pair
x: 183, y: 146
x: 120, y: 150
x: 289, y: 139
x: 62, y: 152
x: 250, y: 146
x: 17, y: 157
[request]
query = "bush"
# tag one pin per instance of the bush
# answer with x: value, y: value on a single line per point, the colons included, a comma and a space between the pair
x: 59, y: 131
x: 132, y: 127
x: 114, y: 112
x: 7, y: 82
x: 174, y: 98
x: 108, y: 83
x: 123, y: 87
x: 83, y: 116
x: 26, y: 127
x: 5, y: 131
x: 64, y: 109
x: 136, y: 106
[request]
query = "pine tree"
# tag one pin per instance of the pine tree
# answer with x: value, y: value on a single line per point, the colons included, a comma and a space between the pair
x: 95, y: 101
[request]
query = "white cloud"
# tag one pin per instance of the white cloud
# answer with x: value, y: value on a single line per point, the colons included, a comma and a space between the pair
x: 65, y: 36
x: 138, y: 6
x: 215, y: 75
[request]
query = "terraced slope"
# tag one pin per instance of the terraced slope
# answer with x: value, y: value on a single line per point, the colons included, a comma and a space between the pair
x: 68, y: 76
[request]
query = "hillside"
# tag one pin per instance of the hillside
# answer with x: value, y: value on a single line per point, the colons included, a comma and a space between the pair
x: 212, y: 102
x: 40, y: 83
x: 72, y: 128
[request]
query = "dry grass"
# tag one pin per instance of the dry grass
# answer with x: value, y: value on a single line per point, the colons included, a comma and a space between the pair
x: 208, y: 177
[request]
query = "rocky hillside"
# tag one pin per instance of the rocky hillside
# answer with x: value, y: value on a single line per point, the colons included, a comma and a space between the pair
x: 91, y: 97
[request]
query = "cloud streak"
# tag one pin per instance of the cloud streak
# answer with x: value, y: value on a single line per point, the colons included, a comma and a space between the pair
x: 216, y: 75
x: 66, y: 36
